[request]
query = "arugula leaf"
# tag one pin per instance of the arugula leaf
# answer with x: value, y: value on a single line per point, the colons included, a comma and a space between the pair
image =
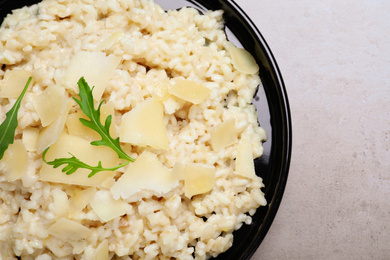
x: 8, y: 127
x: 73, y: 164
x: 87, y: 106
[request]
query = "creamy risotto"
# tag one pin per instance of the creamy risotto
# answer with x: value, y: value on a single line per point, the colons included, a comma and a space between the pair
x: 179, y: 94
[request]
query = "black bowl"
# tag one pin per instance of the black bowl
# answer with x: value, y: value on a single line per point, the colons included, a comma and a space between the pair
x: 273, y: 115
x: 272, y: 105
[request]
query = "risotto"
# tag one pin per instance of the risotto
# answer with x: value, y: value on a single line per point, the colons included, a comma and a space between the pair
x: 179, y: 97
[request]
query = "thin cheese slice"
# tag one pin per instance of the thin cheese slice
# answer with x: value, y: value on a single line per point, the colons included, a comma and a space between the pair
x: 13, y: 83
x: 79, y: 199
x: 15, y: 161
x: 224, y: 134
x: 146, y: 173
x: 76, y: 128
x: 171, y: 103
x: 102, y: 252
x: 178, y: 170
x: 108, y: 42
x: 60, y: 205
x: 244, y: 162
x: 51, y: 133
x: 160, y: 89
x: 199, y: 179
x: 95, y: 67
x: 86, y: 153
x: 242, y: 60
x: 66, y: 229
x: 107, y: 183
x: 108, y: 109
x: 50, y: 104
x: 30, y: 138
x: 106, y: 207
x: 189, y: 90
x: 144, y: 125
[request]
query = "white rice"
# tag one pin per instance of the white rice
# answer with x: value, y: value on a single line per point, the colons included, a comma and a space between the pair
x: 156, y: 46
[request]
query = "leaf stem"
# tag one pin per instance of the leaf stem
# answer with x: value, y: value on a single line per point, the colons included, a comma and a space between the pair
x: 73, y: 164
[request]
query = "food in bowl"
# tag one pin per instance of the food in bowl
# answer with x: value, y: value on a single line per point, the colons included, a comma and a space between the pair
x: 164, y: 168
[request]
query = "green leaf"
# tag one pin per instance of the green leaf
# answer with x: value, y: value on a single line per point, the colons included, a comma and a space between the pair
x: 8, y: 127
x: 86, y: 104
x: 73, y: 164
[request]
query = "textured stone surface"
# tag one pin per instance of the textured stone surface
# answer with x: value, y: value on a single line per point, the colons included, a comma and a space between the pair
x: 335, y: 59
